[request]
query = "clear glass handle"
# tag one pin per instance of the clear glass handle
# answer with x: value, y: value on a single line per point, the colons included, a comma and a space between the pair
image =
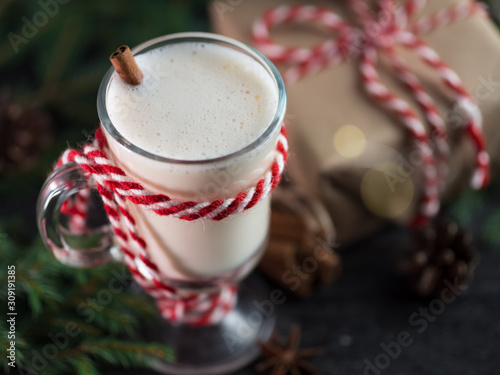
x: 72, y: 221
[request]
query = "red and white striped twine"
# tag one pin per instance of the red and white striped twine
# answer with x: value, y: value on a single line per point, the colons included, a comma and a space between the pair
x: 77, y: 209
x: 115, y: 188
x: 394, y: 28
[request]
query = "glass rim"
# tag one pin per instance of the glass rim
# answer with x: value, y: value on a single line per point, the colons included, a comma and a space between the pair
x: 196, y: 37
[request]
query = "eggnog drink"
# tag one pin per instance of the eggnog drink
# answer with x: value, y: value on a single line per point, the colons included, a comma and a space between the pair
x: 197, y: 128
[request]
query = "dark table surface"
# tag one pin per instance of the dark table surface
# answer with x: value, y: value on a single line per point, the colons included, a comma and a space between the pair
x: 370, y: 305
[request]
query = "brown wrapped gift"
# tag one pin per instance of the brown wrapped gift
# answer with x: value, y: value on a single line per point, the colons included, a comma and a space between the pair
x: 343, y: 145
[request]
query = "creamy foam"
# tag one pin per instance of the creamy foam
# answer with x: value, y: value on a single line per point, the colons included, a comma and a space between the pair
x: 197, y: 101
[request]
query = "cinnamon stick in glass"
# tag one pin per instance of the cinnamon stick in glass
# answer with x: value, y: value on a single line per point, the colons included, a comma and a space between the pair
x: 126, y: 66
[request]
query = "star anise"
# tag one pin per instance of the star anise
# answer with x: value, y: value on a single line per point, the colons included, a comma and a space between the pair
x: 285, y: 357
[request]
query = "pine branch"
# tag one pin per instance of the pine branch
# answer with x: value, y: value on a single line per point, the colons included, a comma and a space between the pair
x: 88, y: 354
x: 141, y: 305
x: 127, y: 354
x: 87, y: 329
x: 84, y: 365
x: 34, y: 274
x: 50, y: 297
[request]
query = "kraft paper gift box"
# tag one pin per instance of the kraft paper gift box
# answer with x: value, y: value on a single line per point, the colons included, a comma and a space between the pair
x: 351, y: 152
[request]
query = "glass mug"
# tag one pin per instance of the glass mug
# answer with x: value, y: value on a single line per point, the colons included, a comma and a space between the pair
x: 202, y: 256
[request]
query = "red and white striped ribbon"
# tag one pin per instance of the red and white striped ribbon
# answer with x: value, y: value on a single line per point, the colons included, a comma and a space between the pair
x: 76, y: 210
x: 115, y: 188
x: 393, y: 27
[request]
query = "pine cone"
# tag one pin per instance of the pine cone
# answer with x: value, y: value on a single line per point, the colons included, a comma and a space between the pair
x: 442, y: 253
x: 24, y: 133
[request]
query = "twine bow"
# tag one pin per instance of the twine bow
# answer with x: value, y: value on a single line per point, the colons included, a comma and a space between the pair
x: 392, y: 25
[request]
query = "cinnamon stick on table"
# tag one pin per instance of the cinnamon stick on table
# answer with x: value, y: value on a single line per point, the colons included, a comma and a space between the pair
x: 297, y: 256
x: 126, y: 66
